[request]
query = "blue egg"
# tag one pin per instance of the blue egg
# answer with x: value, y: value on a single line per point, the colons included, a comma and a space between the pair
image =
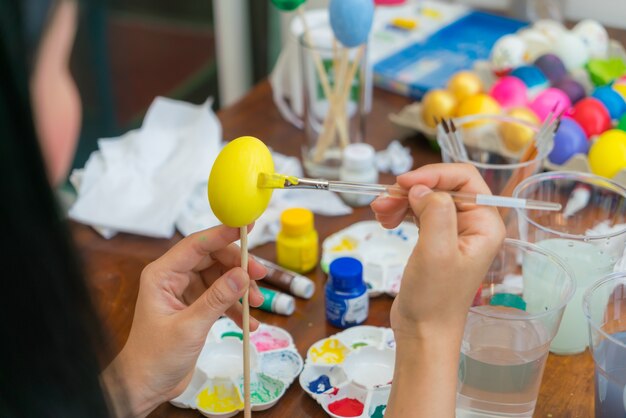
x: 569, y: 139
x: 351, y: 20
x: 533, y: 77
x: 613, y: 101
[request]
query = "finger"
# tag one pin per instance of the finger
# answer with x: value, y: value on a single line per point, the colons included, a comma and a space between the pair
x: 235, y: 313
x: 217, y: 299
x: 231, y: 257
x: 388, y: 205
x: 256, y: 297
x: 436, y: 213
x: 391, y: 221
x: 458, y: 177
x: 194, y: 289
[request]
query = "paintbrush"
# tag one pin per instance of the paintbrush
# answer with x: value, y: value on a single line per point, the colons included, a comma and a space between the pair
x: 281, y: 181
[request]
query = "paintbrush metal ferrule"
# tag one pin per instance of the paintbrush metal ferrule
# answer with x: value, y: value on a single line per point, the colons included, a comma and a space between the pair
x: 310, y: 184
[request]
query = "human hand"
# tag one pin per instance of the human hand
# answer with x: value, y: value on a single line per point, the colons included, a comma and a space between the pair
x: 456, y: 246
x: 181, y: 295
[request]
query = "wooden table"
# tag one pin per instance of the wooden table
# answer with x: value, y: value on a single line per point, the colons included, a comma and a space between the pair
x: 113, y: 268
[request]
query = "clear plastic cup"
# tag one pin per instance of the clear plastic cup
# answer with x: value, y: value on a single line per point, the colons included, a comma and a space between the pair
x: 589, y: 234
x: 604, y: 305
x: 509, y: 330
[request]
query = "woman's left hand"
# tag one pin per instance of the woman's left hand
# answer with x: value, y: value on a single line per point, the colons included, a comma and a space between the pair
x: 181, y: 295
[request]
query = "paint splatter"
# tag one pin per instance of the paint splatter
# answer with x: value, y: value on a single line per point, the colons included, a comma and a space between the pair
x: 235, y: 334
x: 379, y: 412
x: 346, y: 244
x: 346, y: 407
x: 359, y: 344
x: 264, y: 389
x: 320, y: 385
x: 332, y: 351
x: 264, y: 341
x: 219, y: 398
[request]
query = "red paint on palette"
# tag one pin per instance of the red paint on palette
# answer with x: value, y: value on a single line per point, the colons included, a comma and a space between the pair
x: 335, y: 391
x: 346, y: 407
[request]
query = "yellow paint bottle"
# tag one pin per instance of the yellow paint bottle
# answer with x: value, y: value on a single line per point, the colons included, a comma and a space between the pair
x: 297, y: 241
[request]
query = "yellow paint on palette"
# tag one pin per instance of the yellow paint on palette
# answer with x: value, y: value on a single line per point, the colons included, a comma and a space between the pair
x: 432, y: 13
x: 332, y: 351
x: 346, y: 244
x: 220, y: 398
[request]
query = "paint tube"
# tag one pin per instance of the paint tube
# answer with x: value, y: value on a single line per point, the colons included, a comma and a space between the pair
x: 287, y: 280
x: 277, y: 302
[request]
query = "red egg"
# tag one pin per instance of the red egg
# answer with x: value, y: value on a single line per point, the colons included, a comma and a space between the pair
x: 592, y: 116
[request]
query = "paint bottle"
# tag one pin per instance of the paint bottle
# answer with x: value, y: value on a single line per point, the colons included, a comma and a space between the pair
x: 287, y: 280
x: 297, y: 242
x: 358, y: 165
x: 347, y: 301
x: 277, y: 302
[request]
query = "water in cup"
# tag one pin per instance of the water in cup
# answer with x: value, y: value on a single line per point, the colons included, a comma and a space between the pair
x: 610, y: 389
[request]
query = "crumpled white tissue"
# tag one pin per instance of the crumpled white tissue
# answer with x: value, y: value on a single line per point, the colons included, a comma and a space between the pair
x: 140, y: 182
x: 197, y: 214
x: 396, y: 159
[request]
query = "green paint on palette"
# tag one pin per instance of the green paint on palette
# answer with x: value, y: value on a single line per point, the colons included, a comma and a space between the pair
x: 357, y: 345
x: 287, y: 5
x: 379, y: 412
x: 264, y: 389
x: 234, y: 334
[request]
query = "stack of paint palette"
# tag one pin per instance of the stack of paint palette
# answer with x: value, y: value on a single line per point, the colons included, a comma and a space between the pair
x: 383, y: 252
x: 349, y: 374
x: 216, y: 388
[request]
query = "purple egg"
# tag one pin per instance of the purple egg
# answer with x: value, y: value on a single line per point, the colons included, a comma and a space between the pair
x: 569, y: 139
x: 552, y: 67
x: 574, y: 90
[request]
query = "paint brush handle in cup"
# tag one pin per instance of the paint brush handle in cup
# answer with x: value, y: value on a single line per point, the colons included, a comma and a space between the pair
x: 280, y: 181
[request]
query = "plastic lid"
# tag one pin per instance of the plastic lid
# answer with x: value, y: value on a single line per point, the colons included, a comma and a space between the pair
x: 296, y: 221
x: 284, y: 304
x: 302, y: 287
x: 359, y: 157
x: 346, y: 273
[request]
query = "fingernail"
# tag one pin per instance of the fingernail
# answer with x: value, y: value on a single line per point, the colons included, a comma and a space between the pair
x: 235, y: 281
x: 419, y: 191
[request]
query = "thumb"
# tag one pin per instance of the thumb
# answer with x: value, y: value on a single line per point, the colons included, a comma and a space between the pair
x: 223, y: 293
x: 436, y: 213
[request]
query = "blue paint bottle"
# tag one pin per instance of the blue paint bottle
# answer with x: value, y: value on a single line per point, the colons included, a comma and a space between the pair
x: 347, y: 301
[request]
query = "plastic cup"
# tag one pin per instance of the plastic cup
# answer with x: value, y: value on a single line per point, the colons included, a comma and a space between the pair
x: 509, y: 330
x: 604, y: 305
x: 590, y: 239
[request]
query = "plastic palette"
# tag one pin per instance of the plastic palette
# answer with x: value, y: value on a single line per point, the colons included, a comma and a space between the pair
x: 349, y: 374
x: 216, y: 387
x: 383, y: 252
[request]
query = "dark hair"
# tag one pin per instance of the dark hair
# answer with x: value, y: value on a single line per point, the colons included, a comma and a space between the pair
x: 51, y: 334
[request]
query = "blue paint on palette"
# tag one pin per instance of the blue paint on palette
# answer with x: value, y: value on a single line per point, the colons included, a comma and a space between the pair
x: 320, y: 385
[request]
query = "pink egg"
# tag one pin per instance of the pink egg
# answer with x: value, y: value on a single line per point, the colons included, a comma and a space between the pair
x: 510, y: 92
x: 549, y: 99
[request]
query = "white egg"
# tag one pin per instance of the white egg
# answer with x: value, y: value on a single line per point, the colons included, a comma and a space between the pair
x: 550, y: 28
x: 594, y: 36
x: 507, y: 53
x: 537, y: 43
x: 572, y: 51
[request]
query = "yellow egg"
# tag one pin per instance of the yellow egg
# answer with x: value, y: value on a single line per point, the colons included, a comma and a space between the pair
x: 517, y: 136
x: 437, y: 104
x: 233, y: 193
x: 607, y: 155
x: 621, y: 89
x: 465, y: 84
x: 480, y: 104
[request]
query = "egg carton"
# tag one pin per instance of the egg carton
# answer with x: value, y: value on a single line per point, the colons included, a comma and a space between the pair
x: 350, y: 373
x: 383, y: 252
x: 216, y: 387
x: 580, y: 163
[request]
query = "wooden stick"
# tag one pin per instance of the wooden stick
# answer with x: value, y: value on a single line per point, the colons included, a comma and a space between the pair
x: 247, y: 412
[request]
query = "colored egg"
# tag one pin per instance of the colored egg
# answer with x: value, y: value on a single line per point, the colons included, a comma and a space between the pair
x: 516, y: 136
x: 537, y: 43
x: 594, y: 36
x: 604, y: 71
x: 550, y: 28
x: 548, y: 100
x: 607, y: 155
x: 621, y: 89
x: 287, y: 5
x: 509, y: 92
x: 233, y: 193
x: 533, y: 77
x: 592, y: 116
x: 351, y: 20
x: 613, y: 101
x: 622, y: 123
x: 552, y: 67
x: 569, y: 139
x: 571, y: 49
x: 437, y: 104
x: 478, y: 104
x: 464, y: 84
x: 507, y: 53
x: 574, y: 90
